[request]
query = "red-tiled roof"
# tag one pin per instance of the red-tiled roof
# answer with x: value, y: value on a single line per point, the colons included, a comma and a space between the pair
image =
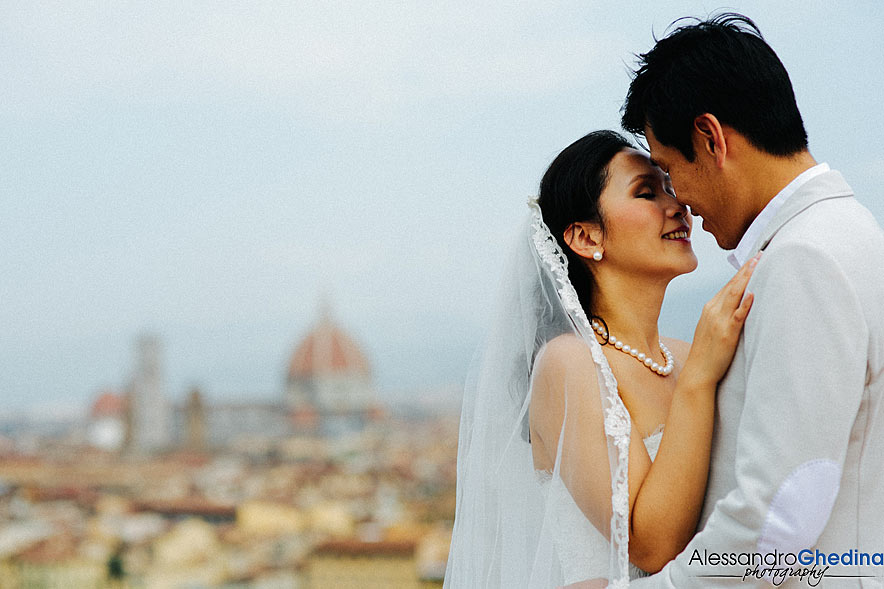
x: 58, y: 548
x: 359, y: 548
x: 109, y: 404
x: 184, y: 507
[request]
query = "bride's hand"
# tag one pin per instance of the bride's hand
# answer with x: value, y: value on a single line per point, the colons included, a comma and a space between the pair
x: 718, y: 331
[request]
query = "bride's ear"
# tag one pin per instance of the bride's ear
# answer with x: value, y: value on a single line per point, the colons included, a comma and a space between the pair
x: 585, y: 239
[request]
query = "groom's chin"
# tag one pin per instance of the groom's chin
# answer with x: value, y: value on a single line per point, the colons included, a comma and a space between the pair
x: 724, y: 240
x: 727, y: 243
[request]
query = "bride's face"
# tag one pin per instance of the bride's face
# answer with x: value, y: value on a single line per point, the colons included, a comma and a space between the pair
x: 646, y: 230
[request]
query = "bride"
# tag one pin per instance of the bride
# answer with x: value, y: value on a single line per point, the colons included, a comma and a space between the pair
x: 565, y: 474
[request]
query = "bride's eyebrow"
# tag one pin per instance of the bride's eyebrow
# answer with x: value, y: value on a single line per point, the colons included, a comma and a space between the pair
x: 644, y: 178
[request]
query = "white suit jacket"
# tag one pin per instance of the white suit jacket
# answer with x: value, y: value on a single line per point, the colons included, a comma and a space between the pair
x: 798, y: 449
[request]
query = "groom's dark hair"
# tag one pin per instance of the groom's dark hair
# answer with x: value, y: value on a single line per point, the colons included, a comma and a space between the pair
x: 720, y: 66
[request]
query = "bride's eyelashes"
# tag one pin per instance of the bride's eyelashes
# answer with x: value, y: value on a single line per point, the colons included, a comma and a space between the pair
x: 651, y: 193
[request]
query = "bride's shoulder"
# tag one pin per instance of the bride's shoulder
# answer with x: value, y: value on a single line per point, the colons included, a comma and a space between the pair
x: 565, y: 348
x: 679, y: 348
x: 564, y: 368
x: 564, y: 357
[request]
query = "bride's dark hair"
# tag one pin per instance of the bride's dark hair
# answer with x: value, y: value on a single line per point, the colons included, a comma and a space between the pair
x: 569, y: 193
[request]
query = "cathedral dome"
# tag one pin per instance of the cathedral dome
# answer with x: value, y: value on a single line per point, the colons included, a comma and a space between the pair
x: 327, y: 350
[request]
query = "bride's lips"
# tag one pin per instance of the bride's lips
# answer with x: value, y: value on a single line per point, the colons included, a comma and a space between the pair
x: 682, y: 234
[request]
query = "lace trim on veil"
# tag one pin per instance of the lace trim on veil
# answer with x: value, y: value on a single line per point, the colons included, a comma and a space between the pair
x: 617, y: 421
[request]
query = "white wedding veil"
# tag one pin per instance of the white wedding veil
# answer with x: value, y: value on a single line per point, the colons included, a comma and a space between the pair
x: 516, y: 524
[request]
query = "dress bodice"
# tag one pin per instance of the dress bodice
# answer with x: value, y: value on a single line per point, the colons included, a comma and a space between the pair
x: 582, y: 549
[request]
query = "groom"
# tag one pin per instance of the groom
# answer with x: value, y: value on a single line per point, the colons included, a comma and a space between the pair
x: 795, y: 495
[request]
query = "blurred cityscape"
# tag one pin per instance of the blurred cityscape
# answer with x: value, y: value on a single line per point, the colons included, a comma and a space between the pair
x: 323, y: 486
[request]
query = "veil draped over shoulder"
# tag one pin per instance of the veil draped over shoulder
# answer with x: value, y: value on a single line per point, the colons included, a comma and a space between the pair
x: 519, y: 524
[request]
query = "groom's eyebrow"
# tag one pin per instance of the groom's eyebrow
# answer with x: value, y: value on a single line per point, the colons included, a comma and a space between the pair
x: 659, y: 165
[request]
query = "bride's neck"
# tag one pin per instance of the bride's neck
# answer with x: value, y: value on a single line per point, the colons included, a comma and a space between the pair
x: 631, y: 308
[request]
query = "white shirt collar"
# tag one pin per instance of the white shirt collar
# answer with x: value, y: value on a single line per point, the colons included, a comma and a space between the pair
x: 740, y: 255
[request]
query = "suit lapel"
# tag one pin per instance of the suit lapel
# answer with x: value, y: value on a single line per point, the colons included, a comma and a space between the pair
x: 825, y: 186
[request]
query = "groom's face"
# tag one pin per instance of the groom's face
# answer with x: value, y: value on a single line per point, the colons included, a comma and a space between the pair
x: 695, y: 185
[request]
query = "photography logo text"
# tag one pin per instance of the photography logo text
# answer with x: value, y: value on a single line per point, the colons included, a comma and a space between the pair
x: 809, y: 566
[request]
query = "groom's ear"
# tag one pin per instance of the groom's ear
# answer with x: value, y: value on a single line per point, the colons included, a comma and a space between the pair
x: 584, y: 238
x: 709, y: 138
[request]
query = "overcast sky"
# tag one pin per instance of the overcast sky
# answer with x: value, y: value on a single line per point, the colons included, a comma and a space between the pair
x: 210, y: 171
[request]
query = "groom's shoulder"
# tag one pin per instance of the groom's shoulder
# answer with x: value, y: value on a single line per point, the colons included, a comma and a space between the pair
x: 835, y: 238
x: 842, y: 227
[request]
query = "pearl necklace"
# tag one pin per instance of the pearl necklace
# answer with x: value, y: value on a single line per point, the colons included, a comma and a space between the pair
x: 640, y: 356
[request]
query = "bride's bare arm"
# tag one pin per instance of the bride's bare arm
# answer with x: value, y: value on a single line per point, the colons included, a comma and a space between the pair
x: 666, y: 496
x: 566, y: 412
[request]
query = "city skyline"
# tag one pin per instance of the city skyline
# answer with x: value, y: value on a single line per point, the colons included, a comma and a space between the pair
x: 211, y: 174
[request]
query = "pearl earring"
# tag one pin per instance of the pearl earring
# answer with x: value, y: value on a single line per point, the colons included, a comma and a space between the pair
x: 597, y: 256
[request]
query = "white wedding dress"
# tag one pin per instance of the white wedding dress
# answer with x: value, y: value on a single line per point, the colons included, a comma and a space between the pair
x: 578, y: 543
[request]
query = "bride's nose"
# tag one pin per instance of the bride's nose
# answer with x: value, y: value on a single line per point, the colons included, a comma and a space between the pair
x: 677, y: 210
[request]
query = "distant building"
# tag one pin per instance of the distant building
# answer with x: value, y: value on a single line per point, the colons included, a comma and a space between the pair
x: 328, y: 393
x: 328, y: 385
x: 234, y: 423
x: 150, y: 412
x: 195, y: 416
x: 357, y: 564
x: 107, y: 422
x: 343, y: 564
x: 199, y: 425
